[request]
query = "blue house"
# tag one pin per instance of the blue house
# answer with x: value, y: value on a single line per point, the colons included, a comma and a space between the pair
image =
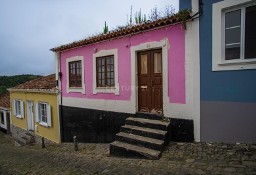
x: 227, y: 44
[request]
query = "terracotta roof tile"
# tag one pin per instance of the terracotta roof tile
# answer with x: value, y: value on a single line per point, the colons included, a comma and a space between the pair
x: 47, y: 83
x: 5, y: 100
x: 125, y: 31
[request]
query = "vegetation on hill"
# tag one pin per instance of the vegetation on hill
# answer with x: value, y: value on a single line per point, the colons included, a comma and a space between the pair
x: 11, y: 81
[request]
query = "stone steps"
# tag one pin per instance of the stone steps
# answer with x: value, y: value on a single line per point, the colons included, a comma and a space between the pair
x: 142, y: 136
x: 26, y: 139
x: 142, y: 131
x: 140, y: 140
x: 130, y: 150
x: 154, y: 124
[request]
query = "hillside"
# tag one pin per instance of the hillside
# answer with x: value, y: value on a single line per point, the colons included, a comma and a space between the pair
x: 11, y: 81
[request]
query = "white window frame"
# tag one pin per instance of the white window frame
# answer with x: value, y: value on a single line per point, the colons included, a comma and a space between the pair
x: 21, y: 115
x: 115, y: 89
x: 75, y: 89
x: 218, y: 42
x: 49, y: 115
x: 3, y: 125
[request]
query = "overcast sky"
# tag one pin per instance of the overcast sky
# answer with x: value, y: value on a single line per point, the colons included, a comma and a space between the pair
x: 29, y: 28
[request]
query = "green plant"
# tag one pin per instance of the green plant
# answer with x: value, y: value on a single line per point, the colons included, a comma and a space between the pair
x: 183, y: 16
x: 105, y: 29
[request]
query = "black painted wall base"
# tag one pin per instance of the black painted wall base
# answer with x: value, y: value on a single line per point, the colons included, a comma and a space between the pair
x: 181, y: 130
x: 97, y: 126
x: 90, y: 125
x: 3, y: 130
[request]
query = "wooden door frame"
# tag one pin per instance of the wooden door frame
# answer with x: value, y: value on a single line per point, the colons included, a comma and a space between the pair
x: 150, y: 68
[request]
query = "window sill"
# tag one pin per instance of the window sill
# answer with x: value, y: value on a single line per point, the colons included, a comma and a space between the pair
x: 233, y: 65
x: 18, y: 116
x: 107, y: 90
x: 242, y: 62
x: 76, y: 89
x: 43, y: 124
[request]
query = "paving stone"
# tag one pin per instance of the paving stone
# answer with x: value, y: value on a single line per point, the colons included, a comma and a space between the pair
x: 179, y: 158
x: 190, y: 160
x: 229, y: 169
x: 249, y: 163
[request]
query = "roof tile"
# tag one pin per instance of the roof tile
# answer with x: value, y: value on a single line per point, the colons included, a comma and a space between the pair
x: 125, y: 31
x: 47, y: 83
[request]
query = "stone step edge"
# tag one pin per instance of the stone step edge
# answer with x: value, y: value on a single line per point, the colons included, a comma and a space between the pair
x: 149, y: 153
x: 144, y: 129
x: 141, y: 138
x: 148, y: 121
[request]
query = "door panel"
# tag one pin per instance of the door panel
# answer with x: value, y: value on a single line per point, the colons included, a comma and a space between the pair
x: 150, y: 81
x: 30, y: 116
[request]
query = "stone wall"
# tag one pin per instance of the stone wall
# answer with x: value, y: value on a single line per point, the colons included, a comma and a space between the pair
x: 19, y: 132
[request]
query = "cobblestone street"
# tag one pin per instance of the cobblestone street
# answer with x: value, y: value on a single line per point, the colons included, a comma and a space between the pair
x: 179, y: 158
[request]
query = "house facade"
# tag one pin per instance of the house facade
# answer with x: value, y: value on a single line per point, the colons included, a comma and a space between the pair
x: 5, y: 113
x: 35, y: 110
x: 152, y: 67
x: 227, y: 69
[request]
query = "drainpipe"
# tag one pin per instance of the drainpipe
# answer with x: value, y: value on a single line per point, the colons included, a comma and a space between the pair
x: 58, y: 84
x: 200, y: 10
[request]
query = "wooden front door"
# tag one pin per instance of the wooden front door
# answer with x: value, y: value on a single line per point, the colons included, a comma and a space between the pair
x: 150, y: 87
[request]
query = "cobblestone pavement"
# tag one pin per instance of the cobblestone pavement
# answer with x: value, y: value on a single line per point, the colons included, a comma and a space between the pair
x: 179, y: 158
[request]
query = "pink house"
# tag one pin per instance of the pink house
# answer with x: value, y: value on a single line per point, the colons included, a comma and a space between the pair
x: 151, y: 69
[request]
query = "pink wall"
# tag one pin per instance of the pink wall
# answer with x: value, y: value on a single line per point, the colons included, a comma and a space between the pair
x: 176, y: 64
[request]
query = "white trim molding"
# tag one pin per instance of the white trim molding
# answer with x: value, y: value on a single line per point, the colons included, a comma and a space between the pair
x: 149, y: 46
x: 115, y: 89
x: 75, y: 89
x: 218, y: 61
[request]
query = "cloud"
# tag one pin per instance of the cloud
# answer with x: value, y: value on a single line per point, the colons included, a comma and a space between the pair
x: 30, y: 28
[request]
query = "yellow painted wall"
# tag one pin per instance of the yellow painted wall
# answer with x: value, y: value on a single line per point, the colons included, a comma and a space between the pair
x: 52, y: 133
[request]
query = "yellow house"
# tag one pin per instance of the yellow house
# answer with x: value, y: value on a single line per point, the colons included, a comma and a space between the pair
x: 34, y: 107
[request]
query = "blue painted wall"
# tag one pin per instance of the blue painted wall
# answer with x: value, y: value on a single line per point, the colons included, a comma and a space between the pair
x: 185, y: 4
x: 229, y: 86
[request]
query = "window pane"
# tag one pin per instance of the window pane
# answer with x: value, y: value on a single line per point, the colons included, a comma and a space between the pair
x: 109, y: 82
x: 250, y: 32
x: 2, y: 117
x: 143, y: 64
x: 103, y: 68
x: 232, y: 52
x: 108, y: 75
x: 75, y: 72
x: 157, y: 63
x: 233, y: 19
x: 112, y: 82
x: 232, y: 35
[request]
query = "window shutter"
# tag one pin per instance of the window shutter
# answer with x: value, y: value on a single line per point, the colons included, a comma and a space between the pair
x: 22, y: 109
x: 49, y: 116
x: 37, y: 113
x: 14, y: 108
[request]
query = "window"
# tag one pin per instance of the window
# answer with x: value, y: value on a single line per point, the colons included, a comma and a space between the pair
x: 2, y: 117
x: 43, y: 114
x: 18, y: 108
x: 240, y: 36
x: 234, y: 37
x: 105, y: 71
x: 75, y: 74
